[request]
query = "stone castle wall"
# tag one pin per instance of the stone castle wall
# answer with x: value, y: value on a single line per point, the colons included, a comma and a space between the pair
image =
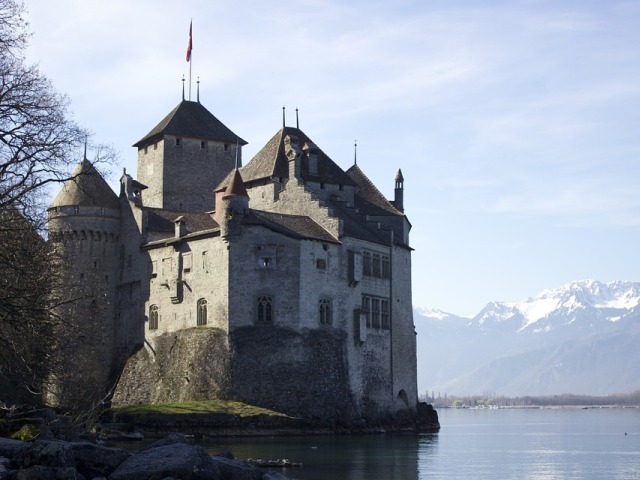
x: 181, y: 173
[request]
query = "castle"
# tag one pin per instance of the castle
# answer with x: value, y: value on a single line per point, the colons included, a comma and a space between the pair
x: 284, y: 283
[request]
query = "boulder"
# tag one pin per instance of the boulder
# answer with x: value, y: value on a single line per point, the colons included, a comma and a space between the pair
x: 48, y: 453
x: 232, y: 469
x: 274, y: 476
x: 186, y: 462
x: 11, y: 448
x: 41, y: 472
x: 170, y: 439
x: 95, y: 460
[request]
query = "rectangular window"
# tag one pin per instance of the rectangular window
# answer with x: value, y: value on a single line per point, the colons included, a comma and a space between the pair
x: 375, y: 313
x: 384, y: 307
x: 178, y: 142
x: 366, y: 263
x: 375, y: 266
x: 386, y: 267
x: 321, y: 264
x: 366, y: 309
x: 154, y: 269
x: 266, y: 256
x: 203, y: 144
x: 205, y: 265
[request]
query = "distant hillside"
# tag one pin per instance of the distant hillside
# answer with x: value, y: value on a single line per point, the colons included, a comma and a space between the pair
x: 581, y: 338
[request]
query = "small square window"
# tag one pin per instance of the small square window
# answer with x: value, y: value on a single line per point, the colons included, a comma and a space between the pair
x: 265, y: 262
x: 321, y: 264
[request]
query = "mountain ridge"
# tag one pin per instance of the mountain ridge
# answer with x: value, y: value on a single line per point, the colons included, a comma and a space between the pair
x: 579, y: 338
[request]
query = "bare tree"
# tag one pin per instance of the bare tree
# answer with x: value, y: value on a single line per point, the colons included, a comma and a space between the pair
x: 39, y: 145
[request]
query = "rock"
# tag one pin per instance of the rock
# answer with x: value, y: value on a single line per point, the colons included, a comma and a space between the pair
x: 226, y: 454
x: 41, y: 472
x: 36, y: 472
x: 5, y: 467
x: 48, y: 453
x: 232, y: 469
x: 11, y: 448
x: 186, y: 462
x: 170, y: 439
x: 274, y: 476
x: 95, y: 460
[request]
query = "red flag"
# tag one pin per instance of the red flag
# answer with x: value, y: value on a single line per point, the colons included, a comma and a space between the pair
x: 190, y: 44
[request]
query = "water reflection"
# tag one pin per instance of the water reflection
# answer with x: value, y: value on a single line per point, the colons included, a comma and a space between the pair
x: 370, y: 457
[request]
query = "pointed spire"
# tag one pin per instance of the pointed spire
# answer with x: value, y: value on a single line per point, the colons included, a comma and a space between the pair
x: 283, y: 118
x: 198, y: 89
x: 297, y: 120
x: 355, y: 152
x: 183, y: 88
x: 85, y: 148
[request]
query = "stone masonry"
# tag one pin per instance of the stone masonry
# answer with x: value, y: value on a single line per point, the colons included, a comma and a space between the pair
x: 284, y: 283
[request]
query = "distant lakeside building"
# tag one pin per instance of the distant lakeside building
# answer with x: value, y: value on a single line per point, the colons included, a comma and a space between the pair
x: 283, y: 283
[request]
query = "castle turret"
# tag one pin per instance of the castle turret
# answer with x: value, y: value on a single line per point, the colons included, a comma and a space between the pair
x: 234, y: 205
x: 184, y: 156
x: 84, y: 225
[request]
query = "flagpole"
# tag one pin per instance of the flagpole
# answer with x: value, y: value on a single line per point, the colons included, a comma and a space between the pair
x: 189, y: 54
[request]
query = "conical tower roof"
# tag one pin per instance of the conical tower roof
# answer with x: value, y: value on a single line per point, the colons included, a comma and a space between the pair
x: 191, y: 119
x: 86, y: 188
x: 236, y: 186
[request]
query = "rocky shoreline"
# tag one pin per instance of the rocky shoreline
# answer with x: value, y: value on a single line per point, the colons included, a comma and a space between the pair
x: 51, y: 447
x: 203, y: 425
x: 169, y: 458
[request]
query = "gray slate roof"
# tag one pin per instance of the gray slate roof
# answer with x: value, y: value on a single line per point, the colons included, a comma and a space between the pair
x: 296, y: 226
x: 159, y: 220
x: 368, y: 199
x: 271, y: 161
x: 86, y: 188
x: 191, y: 119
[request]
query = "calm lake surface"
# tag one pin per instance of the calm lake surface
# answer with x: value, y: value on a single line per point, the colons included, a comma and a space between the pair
x: 531, y: 444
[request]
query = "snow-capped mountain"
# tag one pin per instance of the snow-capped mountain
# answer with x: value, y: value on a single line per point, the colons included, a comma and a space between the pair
x: 583, y: 337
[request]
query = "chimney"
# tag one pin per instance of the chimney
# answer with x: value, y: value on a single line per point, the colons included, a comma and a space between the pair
x: 398, y: 200
x: 181, y: 227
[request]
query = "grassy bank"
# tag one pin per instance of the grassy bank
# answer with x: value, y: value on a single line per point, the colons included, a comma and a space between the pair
x: 204, y: 407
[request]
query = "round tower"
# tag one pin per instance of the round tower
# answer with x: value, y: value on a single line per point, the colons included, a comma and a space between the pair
x: 233, y: 208
x: 84, y: 226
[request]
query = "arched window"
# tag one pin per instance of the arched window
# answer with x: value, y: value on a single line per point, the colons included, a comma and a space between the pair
x: 202, y: 312
x: 324, y: 309
x: 265, y: 309
x: 153, y: 317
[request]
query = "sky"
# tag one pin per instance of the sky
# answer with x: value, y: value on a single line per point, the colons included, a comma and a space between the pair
x: 516, y: 123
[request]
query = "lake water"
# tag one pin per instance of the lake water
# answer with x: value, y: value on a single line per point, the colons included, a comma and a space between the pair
x: 530, y: 444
